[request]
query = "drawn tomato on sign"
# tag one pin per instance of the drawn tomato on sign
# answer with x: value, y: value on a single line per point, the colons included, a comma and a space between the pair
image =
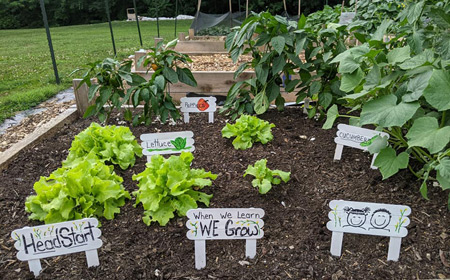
x: 202, y: 104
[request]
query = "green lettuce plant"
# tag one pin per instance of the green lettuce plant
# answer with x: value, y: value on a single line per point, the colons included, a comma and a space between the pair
x: 170, y: 185
x: 264, y: 177
x: 247, y: 130
x: 84, y: 188
x: 115, y: 144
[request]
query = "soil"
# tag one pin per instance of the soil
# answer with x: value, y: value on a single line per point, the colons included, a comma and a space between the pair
x: 296, y: 242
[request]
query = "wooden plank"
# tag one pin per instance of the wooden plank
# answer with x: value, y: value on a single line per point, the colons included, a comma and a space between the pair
x: 81, y: 96
x: 200, y: 47
x: 44, y: 131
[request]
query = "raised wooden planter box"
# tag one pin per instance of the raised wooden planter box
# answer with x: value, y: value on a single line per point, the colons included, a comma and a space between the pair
x: 208, y: 82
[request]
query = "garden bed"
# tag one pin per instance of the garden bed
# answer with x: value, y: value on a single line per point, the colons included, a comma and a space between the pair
x: 296, y: 242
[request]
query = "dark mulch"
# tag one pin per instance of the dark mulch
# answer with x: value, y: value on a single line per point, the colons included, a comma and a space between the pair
x: 296, y: 242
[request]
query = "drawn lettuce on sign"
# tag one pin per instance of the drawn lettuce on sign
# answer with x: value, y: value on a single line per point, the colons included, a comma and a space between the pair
x: 195, y: 230
x: 179, y: 143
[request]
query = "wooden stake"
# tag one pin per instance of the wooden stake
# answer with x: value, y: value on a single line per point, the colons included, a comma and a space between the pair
x: 284, y: 3
x: 200, y: 254
x: 299, y: 8
x: 342, y: 9
x: 336, y: 243
x: 246, y: 10
x: 250, y: 248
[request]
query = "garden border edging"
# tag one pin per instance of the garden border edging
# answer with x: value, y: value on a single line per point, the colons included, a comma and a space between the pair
x: 45, y: 131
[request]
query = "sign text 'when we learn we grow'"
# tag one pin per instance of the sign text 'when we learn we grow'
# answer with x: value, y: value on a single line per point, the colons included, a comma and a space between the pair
x: 224, y: 223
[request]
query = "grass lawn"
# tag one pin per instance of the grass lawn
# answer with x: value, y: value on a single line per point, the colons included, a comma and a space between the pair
x: 26, y: 72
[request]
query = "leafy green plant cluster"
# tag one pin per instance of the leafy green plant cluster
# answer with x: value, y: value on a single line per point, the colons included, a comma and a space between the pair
x: 84, y: 188
x: 220, y: 30
x: 167, y: 67
x: 247, y: 130
x: 116, y: 85
x: 264, y: 177
x: 273, y: 52
x: 115, y: 144
x: 399, y: 83
x: 170, y: 185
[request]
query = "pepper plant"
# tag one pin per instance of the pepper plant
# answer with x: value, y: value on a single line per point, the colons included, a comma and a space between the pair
x: 270, y: 41
x: 167, y: 66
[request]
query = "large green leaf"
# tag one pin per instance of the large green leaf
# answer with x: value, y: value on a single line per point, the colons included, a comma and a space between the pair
x: 185, y: 76
x: 398, y: 55
x: 262, y: 71
x: 278, y: 63
x: 348, y: 65
x: 389, y: 163
x: 443, y: 173
x: 261, y: 102
x: 332, y: 114
x: 425, y: 132
x: 385, y: 111
x: 170, y: 75
x: 278, y: 43
x: 416, y: 86
x: 437, y: 92
x: 350, y: 81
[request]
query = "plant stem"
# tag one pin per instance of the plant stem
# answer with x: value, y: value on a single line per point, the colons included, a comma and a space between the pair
x: 412, y: 171
x: 442, y: 120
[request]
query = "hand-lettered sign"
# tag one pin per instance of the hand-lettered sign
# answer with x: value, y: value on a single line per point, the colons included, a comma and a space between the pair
x: 167, y: 143
x: 225, y: 223
x: 35, y: 243
x: 368, y: 218
x: 356, y: 137
x: 198, y: 105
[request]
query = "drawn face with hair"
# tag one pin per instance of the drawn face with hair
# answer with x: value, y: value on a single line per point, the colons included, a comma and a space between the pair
x: 380, y: 218
x: 356, y: 217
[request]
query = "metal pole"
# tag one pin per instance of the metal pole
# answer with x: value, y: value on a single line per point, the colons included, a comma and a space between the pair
x: 137, y: 22
x: 239, y: 4
x: 49, y: 39
x: 157, y: 19
x: 176, y: 15
x: 110, y: 26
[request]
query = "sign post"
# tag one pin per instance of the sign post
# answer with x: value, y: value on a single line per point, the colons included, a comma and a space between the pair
x: 198, y: 105
x: 35, y: 243
x: 356, y: 137
x: 224, y: 223
x: 370, y: 219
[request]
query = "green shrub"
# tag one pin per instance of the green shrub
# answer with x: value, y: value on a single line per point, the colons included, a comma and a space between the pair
x: 115, y: 144
x: 247, y: 130
x: 170, y: 185
x: 264, y: 177
x: 84, y: 188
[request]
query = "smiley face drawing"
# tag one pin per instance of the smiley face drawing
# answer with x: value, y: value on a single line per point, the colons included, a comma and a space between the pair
x: 380, y: 219
x: 356, y: 217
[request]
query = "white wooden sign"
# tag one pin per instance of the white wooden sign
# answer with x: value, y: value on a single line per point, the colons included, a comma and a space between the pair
x: 167, y: 143
x: 356, y: 137
x: 198, y: 105
x: 346, y: 17
x: 224, y: 223
x: 35, y: 243
x: 368, y: 218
